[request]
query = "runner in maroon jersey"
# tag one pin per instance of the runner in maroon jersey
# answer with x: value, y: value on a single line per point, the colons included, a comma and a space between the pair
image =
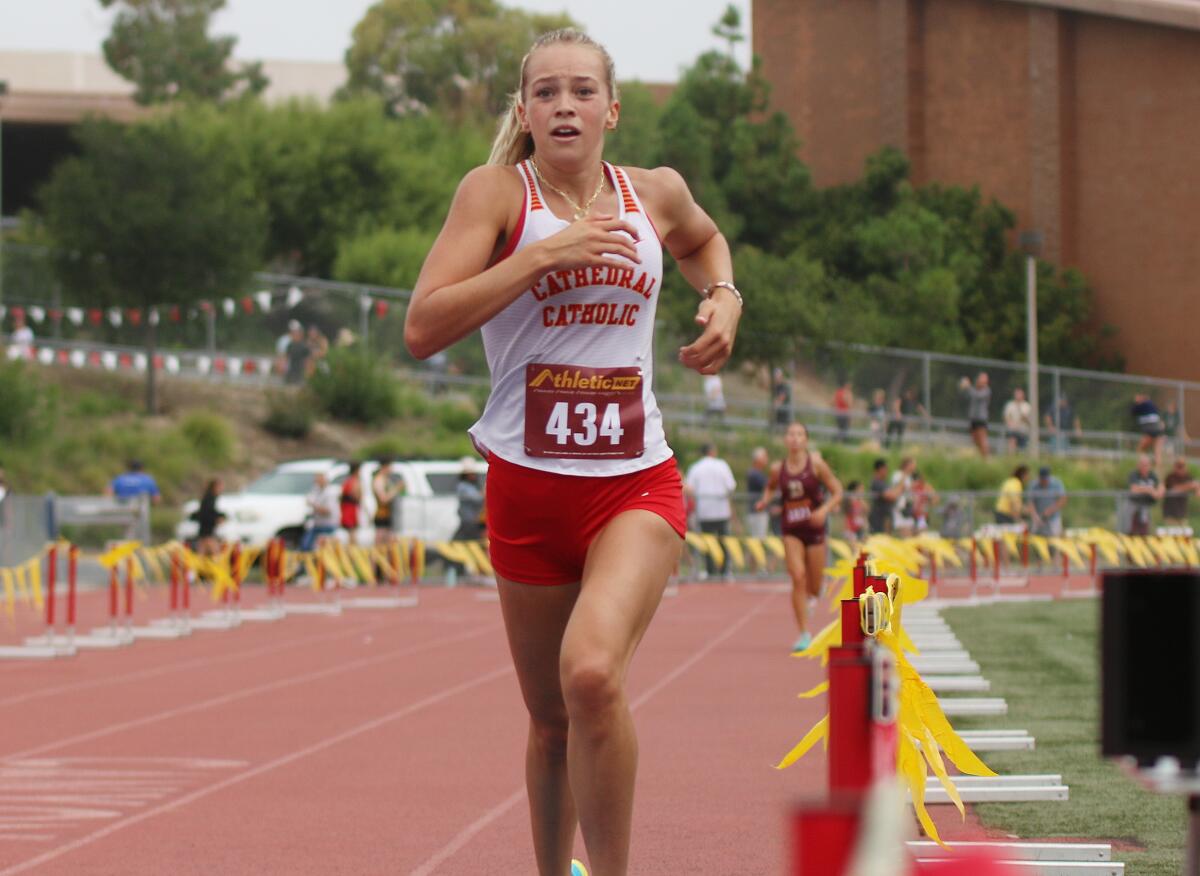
x: 810, y: 490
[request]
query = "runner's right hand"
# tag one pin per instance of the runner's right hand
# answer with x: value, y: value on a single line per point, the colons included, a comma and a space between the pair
x: 593, y: 242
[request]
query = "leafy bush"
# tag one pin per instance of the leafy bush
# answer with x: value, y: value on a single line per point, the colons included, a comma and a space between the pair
x: 99, y: 404
x: 210, y: 435
x: 427, y: 444
x: 454, y: 418
x: 27, y: 407
x: 288, y: 415
x: 355, y: 387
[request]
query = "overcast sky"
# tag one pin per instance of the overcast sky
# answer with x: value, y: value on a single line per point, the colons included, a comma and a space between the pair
x: 649, y: 39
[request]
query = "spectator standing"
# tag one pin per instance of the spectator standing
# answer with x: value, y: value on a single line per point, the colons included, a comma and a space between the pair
x: 843, y: 402
x: 1144, y: 492
x: 903, y: 523
x: 297, y: 355
x: 1018, y: 421
x: 134, y: 483
x: 904, y: 409
x: 1010, y: 506
x: 21, y: 339
x: 208, y: 517
x: 1179, y: 484
x: 953, y: 518
x: 854, y: 508
x: 386, y: 489
x: 924, y: 498
x: 470, y: 502
x: 349, y: 500
x: 1047, y: 498
x: 877, y: 414
x: 318, y: 349
x: 757, y: 521
x: 322, y: 501
x: 979, y: 397
x: 714, y: 399
x: 883, y: 498
x: 1060, y: 422
x: 712, y: 482
x: 1149, y: 422
x: 281, y: 346
x: 781, y: 398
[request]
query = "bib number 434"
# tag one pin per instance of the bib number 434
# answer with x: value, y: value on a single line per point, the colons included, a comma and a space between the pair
x: 574, y: 411
x: 560, y: 426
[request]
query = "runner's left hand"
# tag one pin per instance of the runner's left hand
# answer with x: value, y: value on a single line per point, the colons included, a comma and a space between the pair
x: 718, y: 316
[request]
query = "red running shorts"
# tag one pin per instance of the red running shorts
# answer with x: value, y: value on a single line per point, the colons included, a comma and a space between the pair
x: 540, y: 524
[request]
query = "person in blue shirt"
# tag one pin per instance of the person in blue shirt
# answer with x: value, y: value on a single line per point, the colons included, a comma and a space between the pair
x: 134, y: 483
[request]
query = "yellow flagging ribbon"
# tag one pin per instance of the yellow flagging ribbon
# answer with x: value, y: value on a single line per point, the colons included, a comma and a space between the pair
x: 924, y: 733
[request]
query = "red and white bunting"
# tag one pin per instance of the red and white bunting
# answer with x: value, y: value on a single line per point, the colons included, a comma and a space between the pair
x: 294, y: 296
x: 37, y: 314
x: 264, y: 300
x: 75, y: 315
x: 115, y: 317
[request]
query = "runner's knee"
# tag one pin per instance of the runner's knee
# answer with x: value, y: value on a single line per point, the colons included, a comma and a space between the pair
x: 550, y: 732
x: 591, y: 686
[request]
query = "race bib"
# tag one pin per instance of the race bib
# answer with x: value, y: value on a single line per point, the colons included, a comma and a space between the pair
x: 574, y: 412
x: 793, y: 514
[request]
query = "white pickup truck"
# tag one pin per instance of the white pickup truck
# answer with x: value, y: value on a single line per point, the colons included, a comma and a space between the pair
x: 274, y: 505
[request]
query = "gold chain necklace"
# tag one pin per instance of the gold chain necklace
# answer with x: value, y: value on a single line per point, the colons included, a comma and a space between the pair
x: 580, y: 212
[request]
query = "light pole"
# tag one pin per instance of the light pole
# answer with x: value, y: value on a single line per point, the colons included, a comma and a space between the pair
x: 1031, y: 245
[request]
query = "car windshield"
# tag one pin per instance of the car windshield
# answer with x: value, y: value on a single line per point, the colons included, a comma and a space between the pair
x: 283, y: 483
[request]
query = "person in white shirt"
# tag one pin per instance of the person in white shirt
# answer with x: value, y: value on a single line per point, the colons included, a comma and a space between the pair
x: 322, y: 501
x: 714, y: 398
x: 711, y: 481
x: 21, y: 339
x: 1018, y: 420
x: 903, y: 522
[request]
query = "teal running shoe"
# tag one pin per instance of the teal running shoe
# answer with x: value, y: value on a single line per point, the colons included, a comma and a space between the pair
x: 803, y: 643
x: 577, y: 868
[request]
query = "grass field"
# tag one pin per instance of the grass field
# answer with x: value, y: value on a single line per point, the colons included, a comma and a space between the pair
x: 1043, y: 659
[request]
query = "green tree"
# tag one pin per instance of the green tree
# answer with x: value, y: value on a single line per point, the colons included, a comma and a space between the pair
x: 145, y: 215
x: 164, y: 48
x: 329, y: 174
x: 729, y: 27
x: 459, y: 56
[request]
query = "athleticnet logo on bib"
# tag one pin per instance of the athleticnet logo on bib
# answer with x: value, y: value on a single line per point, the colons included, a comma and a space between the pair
x: 576, y: 412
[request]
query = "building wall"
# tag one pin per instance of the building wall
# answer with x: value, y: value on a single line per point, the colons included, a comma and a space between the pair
x: 1136, y: 218
x: 1081, y: 116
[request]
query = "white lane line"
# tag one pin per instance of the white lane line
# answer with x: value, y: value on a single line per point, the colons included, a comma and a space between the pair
x: 198, y: 662
x: 465, y: 835
x: 286, y: 759
x: 247, y: 692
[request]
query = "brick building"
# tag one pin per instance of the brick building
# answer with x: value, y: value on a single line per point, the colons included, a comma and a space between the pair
x: 1083, y: 116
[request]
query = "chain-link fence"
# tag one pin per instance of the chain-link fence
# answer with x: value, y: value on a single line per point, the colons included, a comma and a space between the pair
x: 899, y: 396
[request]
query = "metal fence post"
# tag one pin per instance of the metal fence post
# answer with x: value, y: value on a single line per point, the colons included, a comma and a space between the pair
x: 927, y: 391
x: 51, y: 516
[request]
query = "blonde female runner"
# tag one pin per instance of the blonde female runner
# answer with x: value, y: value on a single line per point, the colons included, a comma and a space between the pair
x: 557, y: 256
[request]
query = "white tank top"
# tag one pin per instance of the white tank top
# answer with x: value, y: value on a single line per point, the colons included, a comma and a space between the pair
x: 571, y: 359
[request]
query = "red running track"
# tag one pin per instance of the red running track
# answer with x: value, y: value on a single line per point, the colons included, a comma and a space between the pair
x: 390, y: 742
